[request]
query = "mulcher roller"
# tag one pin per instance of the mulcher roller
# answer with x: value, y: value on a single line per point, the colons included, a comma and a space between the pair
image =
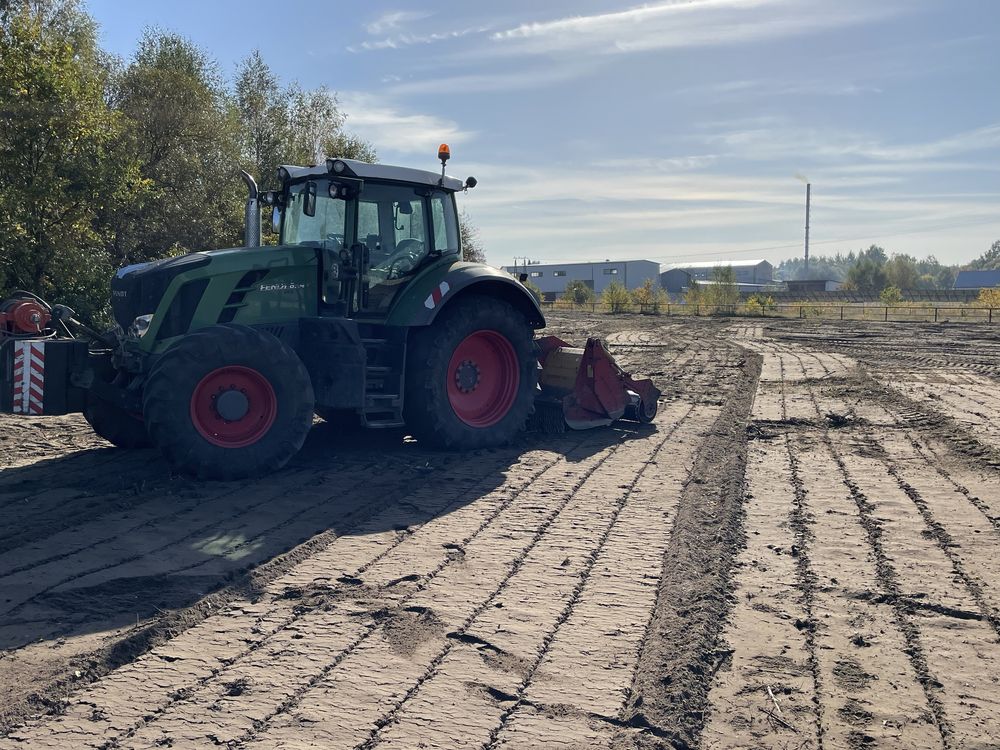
x: 584, y: 388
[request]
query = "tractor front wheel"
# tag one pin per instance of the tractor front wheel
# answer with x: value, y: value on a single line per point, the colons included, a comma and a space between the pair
x: 471, y: 375
x: 117, y: 426
x: 120, y: 428
x: 228, y: 402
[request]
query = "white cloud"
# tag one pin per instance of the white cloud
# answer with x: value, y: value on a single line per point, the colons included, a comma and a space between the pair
x: 396, y: 131
x: 658, y: 209
x: 393, y: 20
x: 685, y: 23
x: 774, y: 139
x: 406, y: 40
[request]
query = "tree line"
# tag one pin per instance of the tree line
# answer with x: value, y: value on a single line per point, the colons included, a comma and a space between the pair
x: 873, y: 270
x: 106, y: 162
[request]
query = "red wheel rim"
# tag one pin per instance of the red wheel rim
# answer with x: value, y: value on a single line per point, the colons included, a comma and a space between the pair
x: 246, y: 397
x: 483, y: 378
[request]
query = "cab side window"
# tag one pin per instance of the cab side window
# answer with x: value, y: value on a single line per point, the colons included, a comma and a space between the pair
x: 446, y: 235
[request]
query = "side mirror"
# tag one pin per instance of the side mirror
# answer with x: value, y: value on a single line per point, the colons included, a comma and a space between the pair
x: 309, y: 202
x: 276, y: 219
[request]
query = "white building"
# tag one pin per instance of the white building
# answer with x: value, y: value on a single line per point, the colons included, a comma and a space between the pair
x: 552, y: 278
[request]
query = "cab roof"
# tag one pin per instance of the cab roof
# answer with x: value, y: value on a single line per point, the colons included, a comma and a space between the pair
x: 366, y: 171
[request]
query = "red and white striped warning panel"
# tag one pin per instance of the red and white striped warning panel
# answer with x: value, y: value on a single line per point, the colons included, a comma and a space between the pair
x: 435, y: 297
x: 29, y: 376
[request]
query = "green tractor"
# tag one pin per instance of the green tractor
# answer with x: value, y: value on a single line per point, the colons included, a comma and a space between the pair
x: 363, y: 314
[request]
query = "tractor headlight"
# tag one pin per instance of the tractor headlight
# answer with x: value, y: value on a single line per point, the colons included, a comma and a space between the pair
x: 140, y: 325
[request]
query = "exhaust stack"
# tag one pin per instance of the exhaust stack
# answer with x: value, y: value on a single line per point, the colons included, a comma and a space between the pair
x: 251, y: 221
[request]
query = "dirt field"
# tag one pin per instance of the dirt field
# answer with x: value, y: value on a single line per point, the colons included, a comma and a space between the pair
x: 801, y: 552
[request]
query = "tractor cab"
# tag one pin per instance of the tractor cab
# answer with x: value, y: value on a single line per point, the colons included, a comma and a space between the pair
x: 376, y: 228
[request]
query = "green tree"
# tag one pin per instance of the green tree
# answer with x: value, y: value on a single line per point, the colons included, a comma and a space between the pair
x: 988, y: 260
x: 57, y: 136
x: 694, y: 296
x: 902, y: 272
x: 867, y: 275
x: 264, y: 118
x: 472, y: 244
x: 723, y: 292
x: 615, y: 297
x: 579, y: 293
x: 183, y: 133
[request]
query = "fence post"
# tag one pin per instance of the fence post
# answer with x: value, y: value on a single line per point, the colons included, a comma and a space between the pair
x: 668, y: 309
x: 935, y: 314
x: 887, y: 314
x: 800, y: 312
x: 841, y: 312
x: 991, y: 315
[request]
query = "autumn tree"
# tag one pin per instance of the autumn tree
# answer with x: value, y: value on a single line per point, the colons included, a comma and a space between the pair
x: 472, y: 244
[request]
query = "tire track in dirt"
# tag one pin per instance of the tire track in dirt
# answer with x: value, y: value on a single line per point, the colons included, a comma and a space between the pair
x: 827, y: 539
x: 941, y: 536
x: 768, y: 627
x: 363, y: 514
x: 363, y: 511
x: 801, y: 521
x: 889, y: 581
x: 264, y: 728
x: 13, y: 606
x: 497, y: 660
x: 301, y: 616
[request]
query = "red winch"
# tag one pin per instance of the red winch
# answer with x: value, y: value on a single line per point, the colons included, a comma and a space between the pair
x: 23, y: 317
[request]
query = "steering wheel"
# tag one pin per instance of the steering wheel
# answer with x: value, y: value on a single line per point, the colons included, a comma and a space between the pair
x: 405, y: 258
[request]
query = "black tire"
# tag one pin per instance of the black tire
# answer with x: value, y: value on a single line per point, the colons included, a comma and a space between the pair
x: 117, y: 426
x: 183, y: 412
x: 429, y: 411
x: 114, y: 424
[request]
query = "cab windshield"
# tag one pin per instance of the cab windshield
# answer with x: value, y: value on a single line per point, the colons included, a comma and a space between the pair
x: 400, y: 225
x: 327, y: 227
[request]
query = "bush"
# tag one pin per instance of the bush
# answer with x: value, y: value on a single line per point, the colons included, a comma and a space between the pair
x: 578, y: 293
x: 891, y: 296
x: 758, y: 304
x: 692, y: 297
x: 616, y: 297
x: 988, y: 298
x: 650, y: 297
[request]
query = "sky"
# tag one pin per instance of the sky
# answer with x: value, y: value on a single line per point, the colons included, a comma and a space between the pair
x: 673, y: 131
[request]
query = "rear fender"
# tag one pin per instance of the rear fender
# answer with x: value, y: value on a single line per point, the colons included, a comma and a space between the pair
x: 432, y: 291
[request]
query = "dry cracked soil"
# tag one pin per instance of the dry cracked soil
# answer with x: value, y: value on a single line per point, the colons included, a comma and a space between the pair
x: 800, y: 552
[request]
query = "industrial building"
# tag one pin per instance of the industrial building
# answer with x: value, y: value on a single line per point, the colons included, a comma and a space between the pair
x: 808, y: 286
x: 977, y: 279
x: 747, y: 271
x: 552, y: 278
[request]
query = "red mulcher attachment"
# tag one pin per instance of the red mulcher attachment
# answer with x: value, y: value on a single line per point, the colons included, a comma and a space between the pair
x: 36, y: 368
x: 588, y: 387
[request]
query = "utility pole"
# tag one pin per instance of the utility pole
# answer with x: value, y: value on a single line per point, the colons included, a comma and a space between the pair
x: 808, y: 197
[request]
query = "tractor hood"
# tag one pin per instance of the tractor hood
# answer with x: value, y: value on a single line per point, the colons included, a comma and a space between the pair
x: 137, y: 290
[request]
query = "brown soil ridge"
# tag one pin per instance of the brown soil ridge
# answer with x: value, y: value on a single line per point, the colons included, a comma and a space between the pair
x: 682, y: 649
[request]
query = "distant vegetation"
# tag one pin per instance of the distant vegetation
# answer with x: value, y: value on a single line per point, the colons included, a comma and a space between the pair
x: 872, y: 270
x: 108, y: 162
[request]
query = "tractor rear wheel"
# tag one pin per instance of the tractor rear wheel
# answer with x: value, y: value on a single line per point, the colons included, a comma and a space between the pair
x: 471, y: 375
x: 228, y: 402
